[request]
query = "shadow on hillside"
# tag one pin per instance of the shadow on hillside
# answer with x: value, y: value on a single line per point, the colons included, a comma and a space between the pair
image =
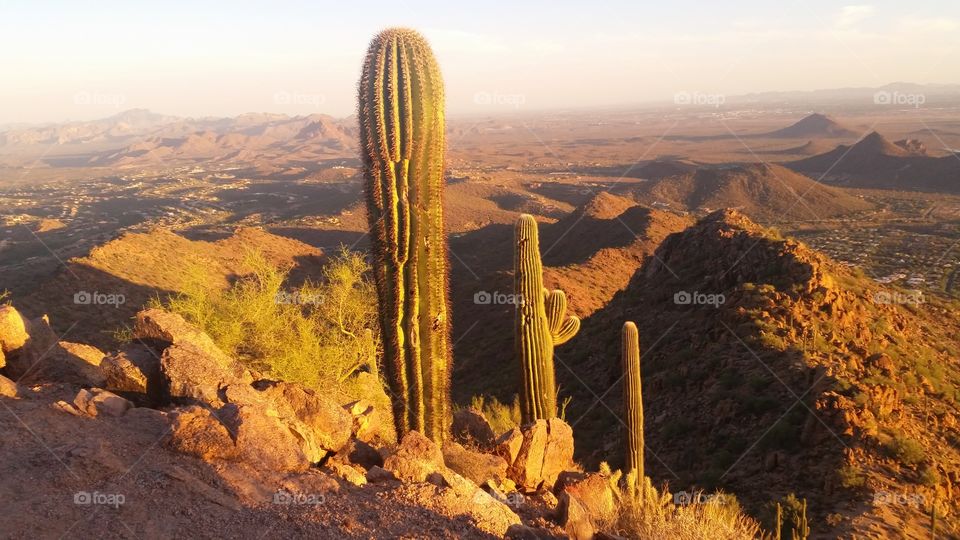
x: 328, y: 240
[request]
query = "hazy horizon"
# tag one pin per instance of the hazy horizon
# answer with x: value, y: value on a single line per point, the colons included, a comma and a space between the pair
x: 69, y: 62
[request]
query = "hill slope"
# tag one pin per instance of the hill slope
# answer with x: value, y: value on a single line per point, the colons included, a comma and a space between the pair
x: 815, y: 125
x: 799, y: 377
x: 763, y: 192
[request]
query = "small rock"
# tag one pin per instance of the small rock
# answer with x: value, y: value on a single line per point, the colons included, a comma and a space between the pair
x: 475, y: 466
x: 13, y: 329
x: 573, y: 516
x: 377, y: 474
x: 593, y: 490
x: 8, y: 388
x: 347, y: 473
x: 134, y: 371
x: 197, y: 432
x: 415, y: 458
x: 66, y: 407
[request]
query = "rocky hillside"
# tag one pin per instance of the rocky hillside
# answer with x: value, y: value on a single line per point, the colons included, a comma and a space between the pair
x: 770, y: 369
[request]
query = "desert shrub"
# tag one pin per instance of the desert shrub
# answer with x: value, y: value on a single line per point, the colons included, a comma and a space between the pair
x: 501, y: 416
x: 851, y: 476
x: 929, y: 476
x: 656, y: 516
x: 4, y: 297
x: 908, y: 451
x: 315, y: 335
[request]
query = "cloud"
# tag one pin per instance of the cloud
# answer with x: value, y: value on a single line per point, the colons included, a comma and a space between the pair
x: 850, y: 16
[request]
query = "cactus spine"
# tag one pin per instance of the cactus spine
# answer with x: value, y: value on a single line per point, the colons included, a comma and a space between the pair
x: 541, y: 324
x: 633, y: 398
x: 402, y: 135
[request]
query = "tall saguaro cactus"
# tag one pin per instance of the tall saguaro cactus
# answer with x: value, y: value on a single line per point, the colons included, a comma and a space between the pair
x: 541, y: 324
x: 401, y: 112
x: 632, y: 398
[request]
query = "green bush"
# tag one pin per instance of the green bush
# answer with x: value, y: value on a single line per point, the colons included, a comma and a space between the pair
x: 851, y: 476
x: 315, y: 335
x: 501, y: 416
x: 908, y: 451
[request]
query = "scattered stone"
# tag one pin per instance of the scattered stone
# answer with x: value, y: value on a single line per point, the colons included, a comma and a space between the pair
x: 415, y: 458
x: 99, y: 402
x: 13, y: 329
x: 593, y: 490
x: 348, y: 473
x: 197, y: 432
x: 135, y: 371
x: 377, y: 474
x: 475, y: 466
x: 573, y: 516
x: 471, y: 426
x: 8, y: 388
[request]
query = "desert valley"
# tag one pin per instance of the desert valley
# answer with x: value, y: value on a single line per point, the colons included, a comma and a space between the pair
x: 791, y: 262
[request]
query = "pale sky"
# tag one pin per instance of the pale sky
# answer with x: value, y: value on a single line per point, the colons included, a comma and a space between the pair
x: 80, y: 60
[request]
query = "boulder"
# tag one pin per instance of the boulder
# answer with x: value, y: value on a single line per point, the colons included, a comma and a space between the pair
x: 197, y: 432
x: 475, y: 466
x: 509, y: 444
x: 159, y: 329
x: 134, y: 372
x: 99, y: 402
x: 322, y: 425
x: 470, y: 426
x: 371, y: 409
x: 8, y: 388
x: 415, y: 459
x: 593, y: 490
x: 545, y: 452
x: 192, y: 376
x: 362, y: 454
x: 43, y: 357
x: 13, y: 329
x: 3, y: 359
x: 348, y: 473
x: 573, y: 516
x: 378, y: 474
x: 263, y: 440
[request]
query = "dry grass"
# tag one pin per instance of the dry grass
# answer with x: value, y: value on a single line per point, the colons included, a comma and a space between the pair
x: 654, y: 515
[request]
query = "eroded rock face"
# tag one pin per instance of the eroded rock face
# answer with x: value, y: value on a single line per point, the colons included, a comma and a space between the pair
x: 538, y: 453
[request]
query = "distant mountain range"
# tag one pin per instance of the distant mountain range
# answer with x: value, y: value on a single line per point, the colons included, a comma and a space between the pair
x: 869, y: 96
x: 875, y: 162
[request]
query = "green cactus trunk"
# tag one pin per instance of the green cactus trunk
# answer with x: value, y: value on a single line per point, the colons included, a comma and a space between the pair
x: 541, y: 324
x: 632, y: 398
x: 401, y: 113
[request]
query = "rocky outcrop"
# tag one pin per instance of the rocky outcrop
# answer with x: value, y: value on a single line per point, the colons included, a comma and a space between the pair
x: 537, y: 453
x: 13, y: 329
x: 134, y: 371
x: 196, y: 431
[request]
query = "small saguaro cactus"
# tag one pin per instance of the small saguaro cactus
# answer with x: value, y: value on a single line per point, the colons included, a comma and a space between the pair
x: 801, y: 530
x: 541, y: 324
x: 632, y: 398
x: 401, y: 114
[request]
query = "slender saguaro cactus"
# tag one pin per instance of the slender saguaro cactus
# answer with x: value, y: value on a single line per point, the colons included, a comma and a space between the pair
x: 541, y: 324
x: 632, y: 398
x: 402, y: 134
x: 801, y: 529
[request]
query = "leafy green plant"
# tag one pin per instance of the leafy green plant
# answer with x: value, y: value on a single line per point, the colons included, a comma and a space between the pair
x: 908, y: 451
x: 314, y: 335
